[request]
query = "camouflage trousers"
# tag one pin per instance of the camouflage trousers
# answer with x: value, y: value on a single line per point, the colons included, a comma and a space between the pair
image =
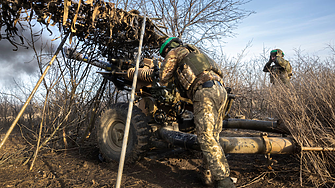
x: 206, y: 104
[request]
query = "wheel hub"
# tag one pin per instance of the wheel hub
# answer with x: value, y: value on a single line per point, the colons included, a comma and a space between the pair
x: 117, y: 132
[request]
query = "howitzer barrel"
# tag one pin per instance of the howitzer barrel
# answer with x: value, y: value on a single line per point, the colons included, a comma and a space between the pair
x: 245, y: 145
x: 267, y: 126
x: 72, y: 54
x: 144, y: 74
x: 100, y: 64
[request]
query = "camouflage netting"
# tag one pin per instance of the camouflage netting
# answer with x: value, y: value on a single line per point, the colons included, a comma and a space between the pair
x: 109, y: 29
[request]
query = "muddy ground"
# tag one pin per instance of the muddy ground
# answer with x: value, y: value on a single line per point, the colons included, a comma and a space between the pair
x: 81, y: 166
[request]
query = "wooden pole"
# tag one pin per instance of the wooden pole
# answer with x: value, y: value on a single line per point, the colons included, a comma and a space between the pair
x: 130, y: 109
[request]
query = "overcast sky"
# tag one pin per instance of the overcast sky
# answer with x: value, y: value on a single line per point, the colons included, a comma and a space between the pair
x: 308, y: 25
x: 21, y: 64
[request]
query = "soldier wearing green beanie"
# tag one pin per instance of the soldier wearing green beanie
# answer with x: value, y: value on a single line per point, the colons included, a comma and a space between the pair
x: 200, y: 79
x: 281, y: 70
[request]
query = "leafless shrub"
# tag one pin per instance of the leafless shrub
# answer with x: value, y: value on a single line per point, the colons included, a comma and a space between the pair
x: 246, y: 79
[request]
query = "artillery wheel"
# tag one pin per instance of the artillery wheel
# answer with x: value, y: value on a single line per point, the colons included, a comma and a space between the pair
x: 111, y: 130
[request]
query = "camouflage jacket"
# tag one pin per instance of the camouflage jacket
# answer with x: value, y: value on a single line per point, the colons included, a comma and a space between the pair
x: 170, y: 65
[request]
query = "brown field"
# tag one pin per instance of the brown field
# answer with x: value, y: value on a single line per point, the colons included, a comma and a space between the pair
x: 81, y: 167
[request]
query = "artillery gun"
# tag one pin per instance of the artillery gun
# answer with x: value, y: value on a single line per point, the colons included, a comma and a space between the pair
x: 162, y: 119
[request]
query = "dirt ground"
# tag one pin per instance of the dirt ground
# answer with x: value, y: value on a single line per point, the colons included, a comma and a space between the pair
x: 82, y: 167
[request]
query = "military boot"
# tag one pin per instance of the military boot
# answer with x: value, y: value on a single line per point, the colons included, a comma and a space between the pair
x: 206, y: 178
x: 225, y: 183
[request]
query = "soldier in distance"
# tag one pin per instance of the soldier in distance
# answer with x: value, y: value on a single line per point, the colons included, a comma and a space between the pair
x: 281, y: 70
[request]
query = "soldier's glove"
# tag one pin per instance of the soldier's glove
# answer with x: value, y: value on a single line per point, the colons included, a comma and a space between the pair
x: 267, y: 67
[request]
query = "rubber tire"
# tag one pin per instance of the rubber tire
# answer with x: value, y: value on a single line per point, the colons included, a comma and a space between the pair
x: 111, y: 130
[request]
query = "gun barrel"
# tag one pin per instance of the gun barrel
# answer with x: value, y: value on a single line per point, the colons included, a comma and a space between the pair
x: 245, y: 145
x: 72, y: 54
x: 100, y: 64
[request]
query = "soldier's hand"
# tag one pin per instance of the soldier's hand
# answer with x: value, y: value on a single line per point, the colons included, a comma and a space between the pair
x: 267, y: 66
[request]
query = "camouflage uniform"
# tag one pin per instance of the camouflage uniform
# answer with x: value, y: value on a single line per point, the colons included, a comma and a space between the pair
x: 207, y: 105
x: 281, y: 69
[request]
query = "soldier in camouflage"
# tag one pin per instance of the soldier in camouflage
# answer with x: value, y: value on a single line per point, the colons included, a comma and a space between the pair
x: 198, y: 77
x: 281, y: 70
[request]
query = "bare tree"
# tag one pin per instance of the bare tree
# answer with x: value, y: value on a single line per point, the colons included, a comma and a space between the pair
x: 199, y: 22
